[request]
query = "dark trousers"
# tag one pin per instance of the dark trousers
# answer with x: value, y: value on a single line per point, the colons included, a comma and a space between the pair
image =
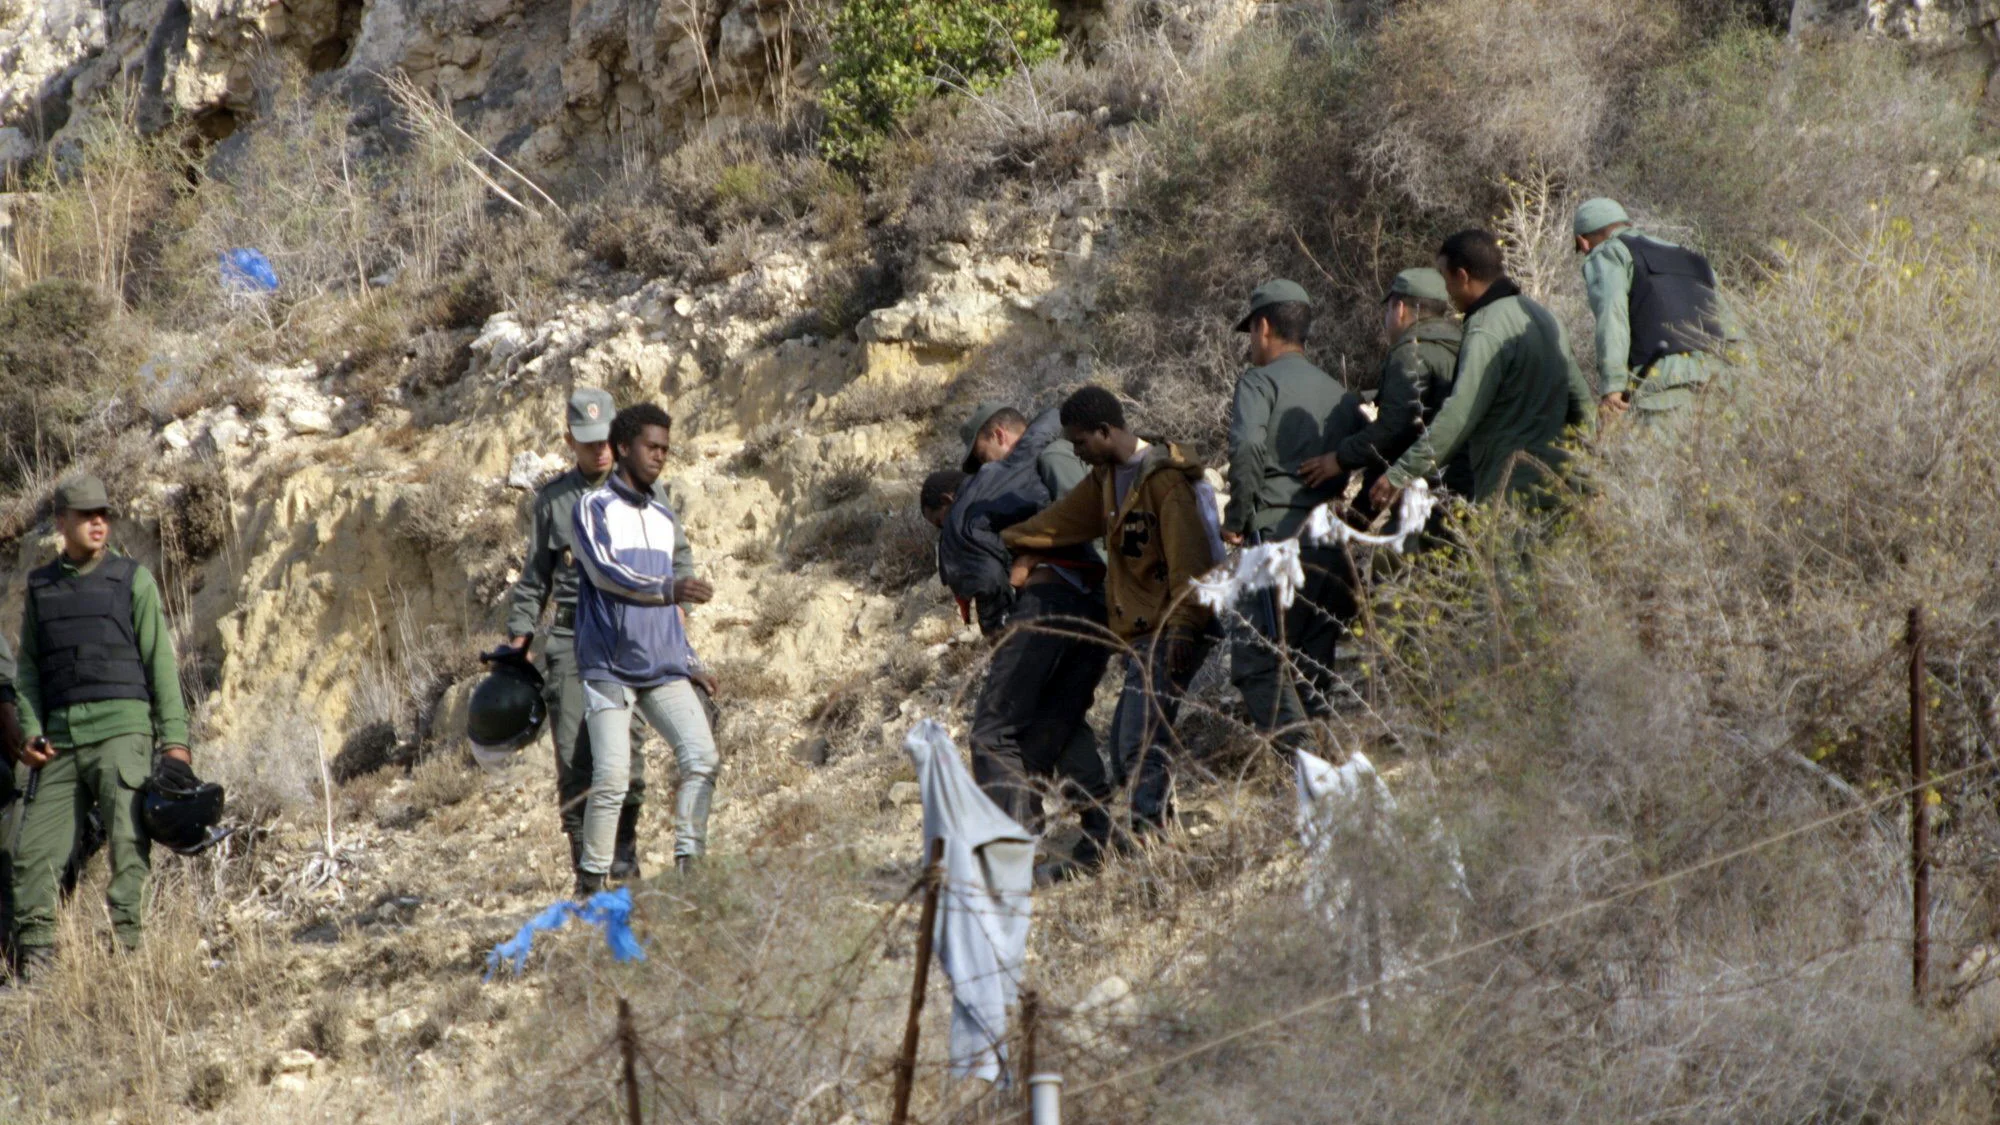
x: 1029, y: 719
x: 1142, y: 730
x: 1280, y: 697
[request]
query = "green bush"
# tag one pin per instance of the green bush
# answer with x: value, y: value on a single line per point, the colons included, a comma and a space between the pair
x: 889, y: 56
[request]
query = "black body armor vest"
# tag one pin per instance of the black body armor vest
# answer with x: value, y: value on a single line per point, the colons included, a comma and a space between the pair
x: 1673, y: 307
x: 88, y: 650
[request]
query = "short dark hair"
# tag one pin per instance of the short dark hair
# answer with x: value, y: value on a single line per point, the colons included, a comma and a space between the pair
x: 1475, y: 251
x: 626, y: 425
x: 1005, y: 418
x: 1091, y: 407
x: 940, y: 487
x: 1425, y: 306
x: 1290, y: 321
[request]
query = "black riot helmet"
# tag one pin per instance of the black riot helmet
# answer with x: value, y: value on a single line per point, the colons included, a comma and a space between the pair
x: 181, y: 811
x: 507, y: 709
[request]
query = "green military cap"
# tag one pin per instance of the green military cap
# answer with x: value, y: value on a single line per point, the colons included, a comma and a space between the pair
x: 1423, y: 284
x: 590, y: 411
x: 83, y: 493
x: 1280, y: 292
x: 1596, y: 214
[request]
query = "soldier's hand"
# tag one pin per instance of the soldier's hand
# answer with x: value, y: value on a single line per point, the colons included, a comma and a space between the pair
x: 692, y: 591
x: 1617, y: 403
x: 519, y: 642
x: 37, y: 753
x: 1383, y: 494
x: 1233, y: 538
x: 1316, y: 471
x: 1024, y: 565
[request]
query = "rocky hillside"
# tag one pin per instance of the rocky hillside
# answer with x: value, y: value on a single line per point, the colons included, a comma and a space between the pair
x: 330, y: 482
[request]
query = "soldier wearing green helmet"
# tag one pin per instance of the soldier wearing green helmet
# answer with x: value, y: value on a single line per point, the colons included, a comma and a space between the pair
x: 1423, y: 335
x: 1660, y: 321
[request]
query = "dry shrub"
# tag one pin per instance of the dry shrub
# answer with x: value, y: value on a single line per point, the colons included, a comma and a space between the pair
x: 66, y: 364
x: 327, y: 1026
x: 1541, y: 89
x: 441, y: 782
x: 869, y: 403
x: 843, y: 538
x: 783, y: 605
x: 841, y: 480
x: 446, y: 512
x: 1814, y: 132
x: 197, y: 520
x: 905, y: 551
x: 750, y: 681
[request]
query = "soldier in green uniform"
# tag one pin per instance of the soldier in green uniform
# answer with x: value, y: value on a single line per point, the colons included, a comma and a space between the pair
x: 1423, y: 335
x: 1517, y: 389
x: 1285, y: 413
x: 11, y: 741
x: 1659, y: 319
x: 99, y: 692
x: 550, y: 574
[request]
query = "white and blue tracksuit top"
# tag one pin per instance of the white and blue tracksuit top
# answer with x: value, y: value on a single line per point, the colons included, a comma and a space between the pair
x: 627, y: 626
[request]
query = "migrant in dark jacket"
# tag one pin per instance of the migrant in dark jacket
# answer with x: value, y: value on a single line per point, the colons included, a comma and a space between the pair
x: 972, y: 560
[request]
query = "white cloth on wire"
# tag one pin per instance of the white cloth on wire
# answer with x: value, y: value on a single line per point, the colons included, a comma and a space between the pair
x: 1275, y: 566
x: 981, y: 937
x: 1262, y: 567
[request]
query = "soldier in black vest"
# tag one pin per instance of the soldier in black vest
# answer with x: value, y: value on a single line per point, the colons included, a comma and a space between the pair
x: 1660, y: 322
x: 99, y: 694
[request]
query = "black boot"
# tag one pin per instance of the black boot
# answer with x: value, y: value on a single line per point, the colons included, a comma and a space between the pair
x: 588, y: 883
x: 625, y: 849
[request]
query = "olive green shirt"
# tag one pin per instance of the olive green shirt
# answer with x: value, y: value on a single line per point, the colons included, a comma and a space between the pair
x: 7, y: 672
x: 1517, y: 389
x: 163, y: 719
x: 549, y: 574
x: 1282, y: 416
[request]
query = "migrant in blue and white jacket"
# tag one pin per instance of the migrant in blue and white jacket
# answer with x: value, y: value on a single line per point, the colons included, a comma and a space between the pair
x: 628, y: 628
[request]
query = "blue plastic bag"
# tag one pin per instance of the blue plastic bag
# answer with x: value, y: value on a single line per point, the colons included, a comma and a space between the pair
x: 248, y: 271
x: 610, y: 910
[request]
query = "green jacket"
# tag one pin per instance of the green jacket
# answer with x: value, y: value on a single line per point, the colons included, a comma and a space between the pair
x: 1061, y: 471
x: 550, y: 569
x: 164, y: 719
x: 7, y: 672
x: 1416, y: 381
x: 1280, y: 418
x: 1517, y: 388
x: 1607, y: 282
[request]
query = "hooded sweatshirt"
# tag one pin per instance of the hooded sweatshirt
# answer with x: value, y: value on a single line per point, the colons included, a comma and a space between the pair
x: 628, y: 629
x: 1157, y: 539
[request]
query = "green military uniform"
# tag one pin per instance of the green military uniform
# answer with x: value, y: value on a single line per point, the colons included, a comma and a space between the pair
x: 8, y: 698
x: 550, y: 575
x: 1667, y: 384
x: 1286, y: 413
x: 1415, y: 381
x: 97, y: 677
x: 1516, y: 389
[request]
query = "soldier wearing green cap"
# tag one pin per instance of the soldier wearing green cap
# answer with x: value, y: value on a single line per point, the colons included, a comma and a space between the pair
x: 99, y: 694
x: 1416, y: 378
x: 1286, y: 412
x: 1659, y: 318
x: 550, y: 575
x: 1516, y: 391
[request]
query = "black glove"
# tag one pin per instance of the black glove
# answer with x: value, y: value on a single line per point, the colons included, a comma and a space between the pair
x: 171, y: 775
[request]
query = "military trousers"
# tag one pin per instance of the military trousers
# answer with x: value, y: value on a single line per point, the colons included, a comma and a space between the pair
x: 563, y: 692
x: 1282, y: 660
x: 675, y: 710
x: 109, y: 776
x: 1030, y: 719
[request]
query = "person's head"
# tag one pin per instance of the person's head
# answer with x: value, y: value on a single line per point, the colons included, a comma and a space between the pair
x: 997, y: 437
x: 1415, y: 295
x: 1279, y: 320
x: 939, y: 492
x: 83, y: 517
x: 589, y: 435
x: 1094, y: 423
x: 1596, y: 221
x: 1470, y: 262
x: 642, y: 437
